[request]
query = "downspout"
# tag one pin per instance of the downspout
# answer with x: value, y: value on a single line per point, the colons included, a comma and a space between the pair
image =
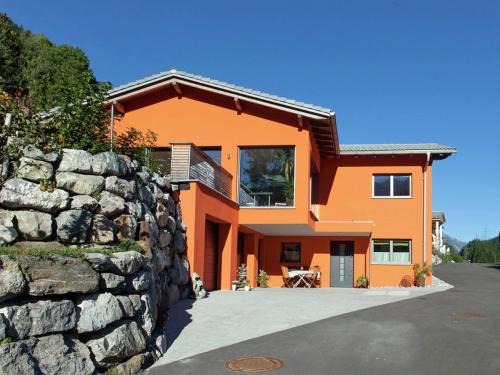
x: 427, y: 162
x: 112, y: 128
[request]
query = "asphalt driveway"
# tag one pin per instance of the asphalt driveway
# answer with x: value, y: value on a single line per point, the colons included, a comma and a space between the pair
x: 227, y: 318
x: 453, y: 332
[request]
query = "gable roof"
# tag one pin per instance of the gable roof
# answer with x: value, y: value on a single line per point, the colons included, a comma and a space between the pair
x: 173, y: 73
x: 438, y: 216
x: 322, y: 120
x: 437, y: 151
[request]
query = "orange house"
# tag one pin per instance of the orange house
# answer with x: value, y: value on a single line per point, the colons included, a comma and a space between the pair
x: 264, y: 181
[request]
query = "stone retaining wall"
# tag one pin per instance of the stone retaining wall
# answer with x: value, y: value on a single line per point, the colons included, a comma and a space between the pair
x: 108, y: 307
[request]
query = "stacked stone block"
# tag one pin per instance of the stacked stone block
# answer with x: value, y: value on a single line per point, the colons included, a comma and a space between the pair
x: 74, y: 315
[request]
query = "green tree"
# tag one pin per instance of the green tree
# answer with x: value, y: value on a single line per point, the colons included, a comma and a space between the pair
x: 478, y: 251
x: 51, y: 69
x: 36, y: 67
x: 11, y: 59
x: 81, y: 119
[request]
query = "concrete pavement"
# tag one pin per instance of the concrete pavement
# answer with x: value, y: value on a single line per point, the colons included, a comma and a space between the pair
x: 454, y: 332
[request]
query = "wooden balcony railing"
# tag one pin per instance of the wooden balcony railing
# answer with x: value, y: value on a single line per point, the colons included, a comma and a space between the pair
x: 189, y: 163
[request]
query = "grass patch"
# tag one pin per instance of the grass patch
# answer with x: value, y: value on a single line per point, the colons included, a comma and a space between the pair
x: 129, y: 245
x: 111, y: 371
x: 6, y: 340
x: 74, y: 252
x: 42, y: 252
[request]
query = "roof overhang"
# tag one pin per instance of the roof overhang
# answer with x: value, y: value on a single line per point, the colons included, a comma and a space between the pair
x: 438, y: 216
x: 322, y: 121
x: 436, y: 153
x: 304, y: 230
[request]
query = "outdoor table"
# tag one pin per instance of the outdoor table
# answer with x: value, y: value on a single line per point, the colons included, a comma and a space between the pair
x: 300, y: 275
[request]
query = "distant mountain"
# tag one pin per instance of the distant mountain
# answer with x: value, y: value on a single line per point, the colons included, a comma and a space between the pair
x: 455, y: 244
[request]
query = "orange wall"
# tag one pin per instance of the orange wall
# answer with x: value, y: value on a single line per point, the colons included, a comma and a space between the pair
x: 208, y: 120
x: 199, y: 204
x: 346, y: 194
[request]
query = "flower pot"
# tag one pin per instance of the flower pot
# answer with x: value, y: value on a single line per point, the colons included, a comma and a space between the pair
x: 420, y: 281
x: 363, y: 284
x: 43, y: 187
x: 247, y: 288
x: 233, y: 287
x: 50, y: 189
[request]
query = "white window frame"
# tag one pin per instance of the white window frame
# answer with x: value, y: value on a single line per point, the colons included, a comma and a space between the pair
x: 391, y: 179
x: 391, y: 244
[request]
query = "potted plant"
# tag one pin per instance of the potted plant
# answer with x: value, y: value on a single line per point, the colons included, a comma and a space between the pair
x: 262, y: 279
x: 420, y: 272
x: 361, y: 282
x: 247, y: 286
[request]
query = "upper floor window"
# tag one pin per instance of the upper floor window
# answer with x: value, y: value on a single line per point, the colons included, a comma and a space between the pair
x: 213, y: 152
x: 266, y: 177
x: 391, y: 251
x: 392, y: 186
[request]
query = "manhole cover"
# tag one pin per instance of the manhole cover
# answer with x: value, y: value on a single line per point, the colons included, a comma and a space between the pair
x: 254, y: 364
x: 466, y: 315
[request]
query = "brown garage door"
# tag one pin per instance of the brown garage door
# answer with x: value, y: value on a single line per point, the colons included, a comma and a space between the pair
x: 211, y: 269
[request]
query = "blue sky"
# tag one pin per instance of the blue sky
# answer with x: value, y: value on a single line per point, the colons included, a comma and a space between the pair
x: 393, y: 71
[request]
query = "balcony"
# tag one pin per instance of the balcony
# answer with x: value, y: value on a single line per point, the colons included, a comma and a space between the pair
x: 189, y: 163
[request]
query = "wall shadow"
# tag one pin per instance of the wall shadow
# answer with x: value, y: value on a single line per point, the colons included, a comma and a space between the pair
x: 178, y: 318
x: 493, y: 266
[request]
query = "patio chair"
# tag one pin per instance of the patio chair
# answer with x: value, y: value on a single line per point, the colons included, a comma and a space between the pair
x: 311, y: 278
x: 288, y: 282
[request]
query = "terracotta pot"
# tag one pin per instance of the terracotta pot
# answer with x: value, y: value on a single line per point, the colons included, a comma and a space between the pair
x: 420, y: 281
x: 43, y: 187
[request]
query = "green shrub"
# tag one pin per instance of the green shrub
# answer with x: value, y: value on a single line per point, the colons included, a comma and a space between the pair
x: 80, y: 122
x: 451, y: 257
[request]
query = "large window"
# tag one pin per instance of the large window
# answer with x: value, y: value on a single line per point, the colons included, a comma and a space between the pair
x: 290, y: 252
x: 267, y: 177
x: 392, y: 186
x: 391, y: 251
x: 213, y: 152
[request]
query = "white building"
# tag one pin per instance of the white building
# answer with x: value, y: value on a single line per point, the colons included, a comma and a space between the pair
x: 438, y: 220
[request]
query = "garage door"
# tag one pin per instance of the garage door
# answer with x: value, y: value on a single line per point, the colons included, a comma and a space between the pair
x: 211, y: 268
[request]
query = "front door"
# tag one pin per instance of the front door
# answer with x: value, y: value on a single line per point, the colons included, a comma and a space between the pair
x: 342, y: 264
x: 211, y: 267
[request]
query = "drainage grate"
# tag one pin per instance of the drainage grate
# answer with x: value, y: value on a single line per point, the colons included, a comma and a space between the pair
x: 254, y: 364
x: 466, y: 315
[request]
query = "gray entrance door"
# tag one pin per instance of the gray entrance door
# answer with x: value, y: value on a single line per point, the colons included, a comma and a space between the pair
x: 342, y: 264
